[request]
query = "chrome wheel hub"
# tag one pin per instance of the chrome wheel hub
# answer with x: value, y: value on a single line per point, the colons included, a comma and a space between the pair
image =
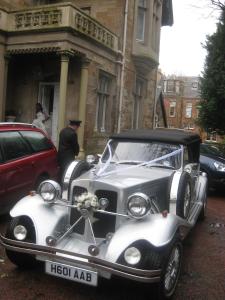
x: 187, y: 198
x: 172, y: 270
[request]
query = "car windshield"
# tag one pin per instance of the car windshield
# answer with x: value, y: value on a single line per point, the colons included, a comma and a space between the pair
x: 135, y: 152
x: 212, y: 150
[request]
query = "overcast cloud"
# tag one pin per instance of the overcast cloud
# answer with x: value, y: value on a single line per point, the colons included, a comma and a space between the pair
x: 181, y: 51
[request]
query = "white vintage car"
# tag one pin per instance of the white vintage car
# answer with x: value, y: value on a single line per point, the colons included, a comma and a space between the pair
x: 126, y: 215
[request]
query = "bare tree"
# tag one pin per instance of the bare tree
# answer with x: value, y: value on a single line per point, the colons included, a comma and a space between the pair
x: 220, y: 4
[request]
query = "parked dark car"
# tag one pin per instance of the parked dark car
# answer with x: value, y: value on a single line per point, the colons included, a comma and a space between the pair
x: 27, y: 157
x: 212, y: 161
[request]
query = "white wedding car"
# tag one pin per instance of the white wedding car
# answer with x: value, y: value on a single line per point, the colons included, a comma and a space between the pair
x: 125, y: 216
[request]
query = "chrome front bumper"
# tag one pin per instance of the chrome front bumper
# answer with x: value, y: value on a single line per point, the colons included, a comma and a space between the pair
x: 95, y: 263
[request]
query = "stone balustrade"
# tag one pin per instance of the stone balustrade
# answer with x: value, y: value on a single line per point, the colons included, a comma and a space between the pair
x: 58, y: 16
x: 88, y: 26
x: 38, y: 19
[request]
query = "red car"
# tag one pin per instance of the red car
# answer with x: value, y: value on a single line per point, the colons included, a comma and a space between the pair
x: 27, y: 157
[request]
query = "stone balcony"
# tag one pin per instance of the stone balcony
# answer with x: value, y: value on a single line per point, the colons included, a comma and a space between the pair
x: 57, y: 17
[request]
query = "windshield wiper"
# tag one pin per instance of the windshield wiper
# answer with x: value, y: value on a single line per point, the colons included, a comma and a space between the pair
x: 160, y: 166
x: 129, y: 162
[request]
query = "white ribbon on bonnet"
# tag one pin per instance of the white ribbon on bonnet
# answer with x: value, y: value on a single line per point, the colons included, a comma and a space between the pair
x: 101, y: 171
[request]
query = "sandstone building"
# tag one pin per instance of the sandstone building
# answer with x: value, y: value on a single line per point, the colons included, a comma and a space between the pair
x: 95, y: 60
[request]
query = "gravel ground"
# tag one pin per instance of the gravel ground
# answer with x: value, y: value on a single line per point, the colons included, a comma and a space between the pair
x: 203, y: 274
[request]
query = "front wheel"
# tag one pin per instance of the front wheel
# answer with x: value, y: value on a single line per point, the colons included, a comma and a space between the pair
x: 21, y: 260
x: 171, y: 271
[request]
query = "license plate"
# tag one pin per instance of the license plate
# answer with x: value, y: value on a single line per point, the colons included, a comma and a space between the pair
x: 71, y: 273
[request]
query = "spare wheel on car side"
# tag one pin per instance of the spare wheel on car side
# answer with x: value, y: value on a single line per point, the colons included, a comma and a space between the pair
x: 184, y: 195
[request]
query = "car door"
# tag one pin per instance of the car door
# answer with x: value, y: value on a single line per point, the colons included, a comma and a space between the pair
x: 2, y: 178
x: 44, y: 155
x: 17, y: 167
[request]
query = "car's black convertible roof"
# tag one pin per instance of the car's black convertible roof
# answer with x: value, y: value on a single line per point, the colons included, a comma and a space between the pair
x: 174, y: 136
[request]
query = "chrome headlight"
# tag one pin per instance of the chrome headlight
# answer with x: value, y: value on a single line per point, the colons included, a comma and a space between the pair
x: 20, y: 232
x: 49, y: 190
x: 132, y: 256
x: 219, y: 166
x: 138, y: 205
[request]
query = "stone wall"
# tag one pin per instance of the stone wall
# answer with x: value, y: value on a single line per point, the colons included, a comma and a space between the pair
x: 111, y: 14
x: 13, y: 4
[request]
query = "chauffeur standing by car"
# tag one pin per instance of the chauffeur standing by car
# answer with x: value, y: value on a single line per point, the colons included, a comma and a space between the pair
x: 68, y: 145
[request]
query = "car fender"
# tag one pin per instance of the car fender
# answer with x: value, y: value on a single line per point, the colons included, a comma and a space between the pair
x: 155, y: 229
x: 202, y: 188
x: 46, y: 217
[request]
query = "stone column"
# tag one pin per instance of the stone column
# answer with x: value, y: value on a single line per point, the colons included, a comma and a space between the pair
x: 63, y: 91
x: 82, y: 104
x: 4, y: 60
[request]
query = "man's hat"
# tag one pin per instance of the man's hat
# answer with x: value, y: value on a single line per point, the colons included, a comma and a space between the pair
x: 75, y: 122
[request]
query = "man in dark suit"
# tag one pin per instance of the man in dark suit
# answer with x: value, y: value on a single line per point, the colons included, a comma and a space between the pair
x: 68, y: 145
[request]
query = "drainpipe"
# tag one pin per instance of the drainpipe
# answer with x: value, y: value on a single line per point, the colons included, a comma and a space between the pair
x: 122, y: 67
x: 155, y: 105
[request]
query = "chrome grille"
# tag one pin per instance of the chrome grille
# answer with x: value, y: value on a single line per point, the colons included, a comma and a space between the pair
x: 105, y: 223
x: 75, y: 215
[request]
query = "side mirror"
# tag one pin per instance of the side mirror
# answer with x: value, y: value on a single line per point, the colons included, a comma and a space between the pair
x: 191, y: 167
x: 93, y: 159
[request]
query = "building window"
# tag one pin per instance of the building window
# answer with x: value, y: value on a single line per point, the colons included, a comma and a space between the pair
x: 177, y: 87
x: 102, y: 102
x: 189, y: 127
x: 211, y: 136
x: 170, y: 86
x: 188, y: 112
x: 156, y: 24
x: 172, y: 111
x: 141, y: 20
x: 195, y: 85
x: 138, y: 95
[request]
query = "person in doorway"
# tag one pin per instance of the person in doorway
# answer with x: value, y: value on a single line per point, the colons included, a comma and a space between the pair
x: 41, y: 117
x: 68, y: 145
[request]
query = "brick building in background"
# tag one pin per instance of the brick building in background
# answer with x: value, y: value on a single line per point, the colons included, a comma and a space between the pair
x: 95, y: 60
x: 182, y: 101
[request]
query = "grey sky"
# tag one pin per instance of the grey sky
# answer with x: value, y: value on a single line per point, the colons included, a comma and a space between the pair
x: 181, y: 50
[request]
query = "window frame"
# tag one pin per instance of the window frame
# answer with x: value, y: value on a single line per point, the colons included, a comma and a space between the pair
x: 141, y: 8
x: 138, y: 98
x: 156, y: 23
x: 172, y: 106
x: 188, y: 114
x: 5, y: 160
x: 51, y: 146
x: 170, y: 83
x: 103, y: 97
x: 195, y: 85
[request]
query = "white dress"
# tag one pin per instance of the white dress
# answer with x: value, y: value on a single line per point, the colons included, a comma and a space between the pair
x: 39, y: 121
